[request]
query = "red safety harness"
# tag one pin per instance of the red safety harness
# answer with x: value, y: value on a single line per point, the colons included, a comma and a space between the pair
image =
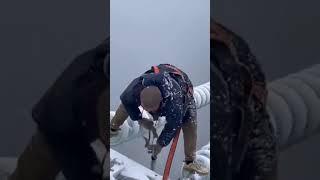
x: 173, y: 70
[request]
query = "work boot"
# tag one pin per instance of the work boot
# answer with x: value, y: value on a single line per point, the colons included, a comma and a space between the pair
x: 197, y: 168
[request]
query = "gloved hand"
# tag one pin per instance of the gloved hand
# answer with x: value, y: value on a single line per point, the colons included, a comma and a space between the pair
x: 154, y: 149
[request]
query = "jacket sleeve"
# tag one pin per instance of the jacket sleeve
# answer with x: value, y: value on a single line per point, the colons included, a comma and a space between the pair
x: 130, y: 100
x: 174, y: 115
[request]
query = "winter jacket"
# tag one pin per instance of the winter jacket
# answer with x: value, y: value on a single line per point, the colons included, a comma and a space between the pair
x: 174, y: 90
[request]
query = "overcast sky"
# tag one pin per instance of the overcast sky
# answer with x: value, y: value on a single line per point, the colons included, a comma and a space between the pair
x: 149, y: 32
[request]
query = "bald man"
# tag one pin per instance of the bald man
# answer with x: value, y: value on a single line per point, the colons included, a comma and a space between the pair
x: 164, y: 90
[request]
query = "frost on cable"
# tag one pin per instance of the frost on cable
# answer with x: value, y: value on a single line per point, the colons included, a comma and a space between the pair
x: 293, y: 105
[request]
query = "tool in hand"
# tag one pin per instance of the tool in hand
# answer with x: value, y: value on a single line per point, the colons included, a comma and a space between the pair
x: 153, y: 162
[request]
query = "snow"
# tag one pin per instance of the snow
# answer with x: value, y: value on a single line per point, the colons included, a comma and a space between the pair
x: 125, y: 168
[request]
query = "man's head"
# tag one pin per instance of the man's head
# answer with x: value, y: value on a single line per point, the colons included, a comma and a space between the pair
x: 151, y: 98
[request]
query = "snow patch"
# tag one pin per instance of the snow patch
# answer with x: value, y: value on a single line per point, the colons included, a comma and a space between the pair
x: 122, y: 167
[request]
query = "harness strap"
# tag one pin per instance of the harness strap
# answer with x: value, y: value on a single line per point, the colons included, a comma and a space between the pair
x: 176, y: 71
x: 156, y: 69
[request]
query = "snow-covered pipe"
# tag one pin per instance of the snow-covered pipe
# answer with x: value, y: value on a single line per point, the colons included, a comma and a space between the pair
x: 293, y: 105
x: 202, y: 95
x: 131, y: 129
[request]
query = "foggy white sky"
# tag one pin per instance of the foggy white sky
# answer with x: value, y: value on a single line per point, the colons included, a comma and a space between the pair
x: 149, y: 32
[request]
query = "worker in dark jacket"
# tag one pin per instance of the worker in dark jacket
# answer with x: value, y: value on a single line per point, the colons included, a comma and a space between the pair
x: 70, y: 116
x: 163, y: 91
x: 244, y: 142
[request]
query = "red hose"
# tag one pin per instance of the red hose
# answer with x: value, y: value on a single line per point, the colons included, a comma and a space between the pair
x: 170, y: 156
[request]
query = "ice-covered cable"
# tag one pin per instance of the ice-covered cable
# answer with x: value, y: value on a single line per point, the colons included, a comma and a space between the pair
x: 293, y: 105
x: 202, y: 95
